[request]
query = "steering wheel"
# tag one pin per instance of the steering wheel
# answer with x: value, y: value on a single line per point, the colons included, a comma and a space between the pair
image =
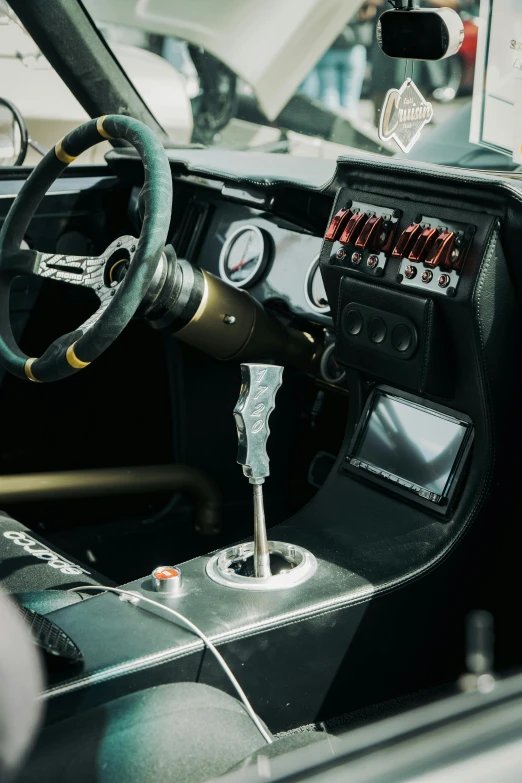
x: 119, y: 296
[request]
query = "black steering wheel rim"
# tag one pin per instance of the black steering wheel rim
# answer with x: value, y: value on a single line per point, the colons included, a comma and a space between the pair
x: 119, y: 301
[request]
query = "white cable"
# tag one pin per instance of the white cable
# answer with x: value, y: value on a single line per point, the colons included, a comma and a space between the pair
x: 240, y: 692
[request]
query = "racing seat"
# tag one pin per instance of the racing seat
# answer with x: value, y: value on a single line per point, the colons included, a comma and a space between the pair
x: 20, y: 682
x: 183, y: 732
x: 38, y: 574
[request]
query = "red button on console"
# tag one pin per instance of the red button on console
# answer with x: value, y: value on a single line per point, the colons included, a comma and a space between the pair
x: 166, y: 573
x: 337, y: 224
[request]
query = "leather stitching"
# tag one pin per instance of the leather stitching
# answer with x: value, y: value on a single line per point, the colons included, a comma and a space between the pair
x: 428, y: 319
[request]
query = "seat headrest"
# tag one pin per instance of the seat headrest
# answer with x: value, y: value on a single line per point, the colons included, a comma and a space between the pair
x: 21, y: 680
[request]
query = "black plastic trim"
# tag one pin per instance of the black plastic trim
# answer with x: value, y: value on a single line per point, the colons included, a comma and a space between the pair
x: 67, y: 36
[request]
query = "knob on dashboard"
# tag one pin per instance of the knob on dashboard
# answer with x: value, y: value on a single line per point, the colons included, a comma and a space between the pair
x: 337, y: 224
x: 423, y: 245
x: 353, y: 228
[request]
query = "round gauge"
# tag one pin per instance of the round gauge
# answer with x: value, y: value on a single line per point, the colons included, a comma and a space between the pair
x: 315, y: 291
x: 244, y: 256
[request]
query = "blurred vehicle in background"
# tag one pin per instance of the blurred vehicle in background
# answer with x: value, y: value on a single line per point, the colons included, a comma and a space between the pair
x: 238, y: 78
x: 453, y: 77
x: 50, y: 109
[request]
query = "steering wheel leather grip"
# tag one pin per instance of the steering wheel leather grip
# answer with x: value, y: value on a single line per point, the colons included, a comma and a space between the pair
x: 118, y: 299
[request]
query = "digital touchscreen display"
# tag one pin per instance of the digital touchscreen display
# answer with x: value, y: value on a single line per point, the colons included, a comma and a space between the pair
x: 411, y: 442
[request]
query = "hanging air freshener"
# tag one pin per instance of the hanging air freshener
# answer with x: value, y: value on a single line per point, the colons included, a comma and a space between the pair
x: 403, y: 115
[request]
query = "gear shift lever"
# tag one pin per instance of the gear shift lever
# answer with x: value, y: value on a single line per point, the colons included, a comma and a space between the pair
x: 259, y: 385
x: 262, y: 565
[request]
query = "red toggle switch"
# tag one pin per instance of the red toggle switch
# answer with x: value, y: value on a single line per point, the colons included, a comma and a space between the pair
x: 353, y: 228
x: 370, y: 233
x: 423, y: 245
x: 337, y: 224
x: 442, y: 250
x: 406, y: 240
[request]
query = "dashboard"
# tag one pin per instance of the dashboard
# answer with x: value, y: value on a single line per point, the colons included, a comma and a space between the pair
x: 249, y: 249
x: 277, y: 262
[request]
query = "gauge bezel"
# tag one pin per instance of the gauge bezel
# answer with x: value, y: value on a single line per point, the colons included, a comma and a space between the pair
x: 312, y: 269
x: 261, y: 264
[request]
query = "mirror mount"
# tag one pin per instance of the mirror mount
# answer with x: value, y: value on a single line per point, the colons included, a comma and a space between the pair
x: 404, y: 5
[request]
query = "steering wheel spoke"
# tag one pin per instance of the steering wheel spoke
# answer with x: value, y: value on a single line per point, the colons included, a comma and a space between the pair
x: 86, y: 271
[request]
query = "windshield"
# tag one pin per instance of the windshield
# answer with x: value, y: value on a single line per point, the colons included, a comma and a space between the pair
x: 335, y: 107
x: 301, y: 78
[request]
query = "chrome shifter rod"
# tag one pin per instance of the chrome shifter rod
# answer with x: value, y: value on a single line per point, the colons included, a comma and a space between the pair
x: 259, y: 384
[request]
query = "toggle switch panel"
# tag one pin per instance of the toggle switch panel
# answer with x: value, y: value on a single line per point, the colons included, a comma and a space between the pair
x: 365, y: 233
x: 432, y: 254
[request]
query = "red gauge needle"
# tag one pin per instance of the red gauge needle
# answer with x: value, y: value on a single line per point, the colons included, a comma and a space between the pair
x: 244, y: 260
x: 241, y: 263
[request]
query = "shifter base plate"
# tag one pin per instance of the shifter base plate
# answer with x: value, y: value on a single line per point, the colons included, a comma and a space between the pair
x: 234, y: 567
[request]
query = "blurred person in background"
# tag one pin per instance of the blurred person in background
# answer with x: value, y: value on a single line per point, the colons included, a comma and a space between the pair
x: 338, y: 77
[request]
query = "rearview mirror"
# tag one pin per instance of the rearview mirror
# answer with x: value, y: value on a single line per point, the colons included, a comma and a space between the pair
x: 420, y: 33
x: 13, y: 135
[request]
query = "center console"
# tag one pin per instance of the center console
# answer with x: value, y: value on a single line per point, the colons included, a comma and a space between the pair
x: 391, y: 546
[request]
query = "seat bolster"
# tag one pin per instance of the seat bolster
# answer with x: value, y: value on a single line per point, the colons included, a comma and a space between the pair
x: 21, y: 680
x: 185, y: 732
x: 46, y: 601
x: 28, y: 563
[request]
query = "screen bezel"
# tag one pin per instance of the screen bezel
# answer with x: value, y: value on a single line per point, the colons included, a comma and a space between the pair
x: 452, y: 484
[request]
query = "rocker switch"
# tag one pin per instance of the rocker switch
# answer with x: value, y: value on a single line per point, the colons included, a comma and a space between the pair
x: 353, y: 228
x: 441, y: 253
x: 368, y: 238
x: 423, y: 245
x: 406, y: 240
x: 337, y: 224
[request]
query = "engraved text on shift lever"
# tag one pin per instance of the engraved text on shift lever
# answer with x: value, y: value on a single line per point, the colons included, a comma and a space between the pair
x: 259, y: 384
